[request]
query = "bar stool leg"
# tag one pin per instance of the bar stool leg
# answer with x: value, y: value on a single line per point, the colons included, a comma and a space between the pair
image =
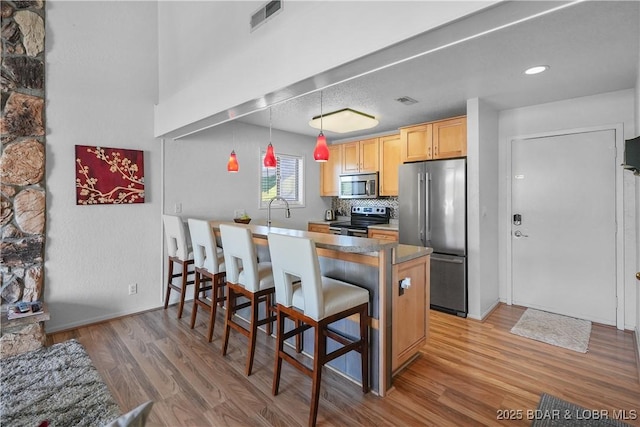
x: 253, y: 329
x: 231, y: 303
x: 318, y: 360
x: 183, y: 288
x: 196, y: 291
x: 364, y: 347
x: 279, y: 348
x: 170, y: 278
x: 214, y: 306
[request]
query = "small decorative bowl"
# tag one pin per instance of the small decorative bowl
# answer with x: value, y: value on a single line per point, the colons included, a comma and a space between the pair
x: 242, y: 220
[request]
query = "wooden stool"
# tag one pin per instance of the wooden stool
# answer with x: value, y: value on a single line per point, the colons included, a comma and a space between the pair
x: 246, y: 277
x: 316, y: 302
x: 179, y: 253
x: 209, y: 271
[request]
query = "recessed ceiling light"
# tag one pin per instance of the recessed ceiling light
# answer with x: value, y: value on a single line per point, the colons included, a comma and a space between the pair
x: 536, y: 70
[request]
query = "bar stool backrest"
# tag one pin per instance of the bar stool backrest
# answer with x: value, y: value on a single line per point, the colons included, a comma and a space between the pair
x: 296, y: 258
x: 176, y: 237
x: 240, y: 257
x: 206, y: 253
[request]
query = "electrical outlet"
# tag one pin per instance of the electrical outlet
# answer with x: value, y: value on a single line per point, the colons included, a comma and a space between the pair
x: 177, y: 208
x: 133, y: 289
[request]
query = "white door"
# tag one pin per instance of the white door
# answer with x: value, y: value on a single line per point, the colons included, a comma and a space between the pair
x: 564, y: 248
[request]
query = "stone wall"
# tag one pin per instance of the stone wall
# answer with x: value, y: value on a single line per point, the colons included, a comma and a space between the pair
x: 22, y: 163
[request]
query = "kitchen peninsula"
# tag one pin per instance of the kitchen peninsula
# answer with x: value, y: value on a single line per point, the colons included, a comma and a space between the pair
x: 397, y: 278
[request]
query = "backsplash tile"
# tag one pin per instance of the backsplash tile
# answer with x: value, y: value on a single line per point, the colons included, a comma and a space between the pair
x: 343, y: 206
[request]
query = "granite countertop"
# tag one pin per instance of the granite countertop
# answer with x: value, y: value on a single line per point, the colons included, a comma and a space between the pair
x: 403, y: 253
x: 388, y: 227
x: 323, y: 240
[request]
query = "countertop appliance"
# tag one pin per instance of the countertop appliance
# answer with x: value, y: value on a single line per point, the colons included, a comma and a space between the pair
x: 361, y: 218
x: 359, y: 186
x: 433, y: 213
x: 329, y: 215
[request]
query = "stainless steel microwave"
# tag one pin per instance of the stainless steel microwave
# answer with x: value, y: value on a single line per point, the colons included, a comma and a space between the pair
x: 359, y: 186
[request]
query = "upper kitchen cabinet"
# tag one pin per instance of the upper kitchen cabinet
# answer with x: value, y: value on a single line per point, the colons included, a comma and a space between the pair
x: 450, y: 138
x: 416, y: 142
x: 435, y: 140
x: 390, y: 159
x: 360, y: 156
x: 330, y: 172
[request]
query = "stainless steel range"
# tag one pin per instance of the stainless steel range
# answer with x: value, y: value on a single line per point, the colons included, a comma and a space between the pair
x: 361, y: 218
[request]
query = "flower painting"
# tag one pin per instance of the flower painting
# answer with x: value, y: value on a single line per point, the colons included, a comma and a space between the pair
x: 109, y: 175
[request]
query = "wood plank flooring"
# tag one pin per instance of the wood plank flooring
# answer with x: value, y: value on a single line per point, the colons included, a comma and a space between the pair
x: 468, y: 374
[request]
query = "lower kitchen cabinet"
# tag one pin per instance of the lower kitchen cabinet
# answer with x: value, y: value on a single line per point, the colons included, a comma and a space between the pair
x: 375, y: 233
x: 318, y: 228
x: 410, y: 308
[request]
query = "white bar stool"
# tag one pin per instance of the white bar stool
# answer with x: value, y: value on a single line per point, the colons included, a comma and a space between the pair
x: 246, y: 277
x: 316, y: 302
x: 179, y: 253
x: 209, y: 271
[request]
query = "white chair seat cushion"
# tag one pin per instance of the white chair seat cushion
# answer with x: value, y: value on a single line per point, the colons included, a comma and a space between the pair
x: 265, y: 276
x: 338, y: 296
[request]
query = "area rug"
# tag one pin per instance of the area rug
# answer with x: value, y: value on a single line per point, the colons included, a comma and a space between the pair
x: 553, y: 411
x: 57, y: 384
x: 555, y: 329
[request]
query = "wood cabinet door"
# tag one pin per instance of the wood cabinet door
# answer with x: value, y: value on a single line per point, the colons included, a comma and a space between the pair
x: 383, y: 234
x: 350, y: 157
x: 330, y: 172
x: 416, y: 142
x: 450, y: 138
x: 318, y: 228
x: 369, y: 157
x: 410, y: 311
x: 390, y: 159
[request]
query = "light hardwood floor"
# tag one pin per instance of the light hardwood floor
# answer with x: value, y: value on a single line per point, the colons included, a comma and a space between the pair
x: 467, y: 375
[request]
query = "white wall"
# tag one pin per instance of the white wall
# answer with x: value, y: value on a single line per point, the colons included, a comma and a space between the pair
x: 101, y: 62
x: 604, y: 109
x: 211, y: 62
x: 196, y: 174
x: 482, y: 208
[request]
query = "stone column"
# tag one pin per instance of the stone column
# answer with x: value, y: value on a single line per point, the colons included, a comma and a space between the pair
x: 22, y: 163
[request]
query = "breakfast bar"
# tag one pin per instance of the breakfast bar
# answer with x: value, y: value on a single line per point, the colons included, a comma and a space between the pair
x: 397, y: 279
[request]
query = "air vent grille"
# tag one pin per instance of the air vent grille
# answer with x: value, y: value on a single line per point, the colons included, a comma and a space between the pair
x: 267, y: 11
x: 406, y: 100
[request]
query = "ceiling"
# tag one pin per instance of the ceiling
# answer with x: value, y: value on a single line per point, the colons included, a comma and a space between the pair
x: 591, y: 47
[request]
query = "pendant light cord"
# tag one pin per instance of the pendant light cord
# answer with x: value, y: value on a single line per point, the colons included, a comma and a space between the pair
x: 320, y: 111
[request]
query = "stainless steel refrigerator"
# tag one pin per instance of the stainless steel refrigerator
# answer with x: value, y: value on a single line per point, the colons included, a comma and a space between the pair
x: 433, y: 212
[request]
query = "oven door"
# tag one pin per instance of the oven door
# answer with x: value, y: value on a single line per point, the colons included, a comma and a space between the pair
x: 347, y: 231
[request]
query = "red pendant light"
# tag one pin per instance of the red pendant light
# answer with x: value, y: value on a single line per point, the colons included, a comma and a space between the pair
x: 321, y: 152
x: 270, y: 158
x: 232, y: 164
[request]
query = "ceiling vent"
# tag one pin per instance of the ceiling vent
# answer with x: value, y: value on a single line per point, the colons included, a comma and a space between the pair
x: 406, y: 100
x: 267, y: 11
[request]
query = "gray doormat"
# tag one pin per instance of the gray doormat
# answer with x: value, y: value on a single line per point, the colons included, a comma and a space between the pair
x: 57, y: 384
x: 553, y: 411
x: 554, y: 329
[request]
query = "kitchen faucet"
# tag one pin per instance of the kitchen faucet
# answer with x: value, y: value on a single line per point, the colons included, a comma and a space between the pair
x: 287, y: 213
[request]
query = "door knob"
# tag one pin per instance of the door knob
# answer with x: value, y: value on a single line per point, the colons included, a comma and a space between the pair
x: 518, y: 233
x: 638, y: 275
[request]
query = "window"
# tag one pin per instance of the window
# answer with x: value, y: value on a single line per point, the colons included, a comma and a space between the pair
x: 286, y: 180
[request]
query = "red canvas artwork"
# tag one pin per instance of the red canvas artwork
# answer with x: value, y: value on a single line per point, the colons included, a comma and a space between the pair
x: 109, y: 175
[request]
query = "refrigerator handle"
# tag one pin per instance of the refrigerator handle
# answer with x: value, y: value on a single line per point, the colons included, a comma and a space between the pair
x: 427, y: 207
x: 420, y: 223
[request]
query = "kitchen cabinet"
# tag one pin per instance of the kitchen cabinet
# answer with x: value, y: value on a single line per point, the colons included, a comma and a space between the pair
x: 318, y: 228
x: 442, y: 139
x: 390, y: 159
x: 416, y: 142
x: 360, y: 156
x: 450, y: 138
x: 376, y: 233
x: 330, y: 172
x: 410, y: 312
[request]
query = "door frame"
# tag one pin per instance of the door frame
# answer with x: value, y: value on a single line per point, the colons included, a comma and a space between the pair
x: 619, y: 200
